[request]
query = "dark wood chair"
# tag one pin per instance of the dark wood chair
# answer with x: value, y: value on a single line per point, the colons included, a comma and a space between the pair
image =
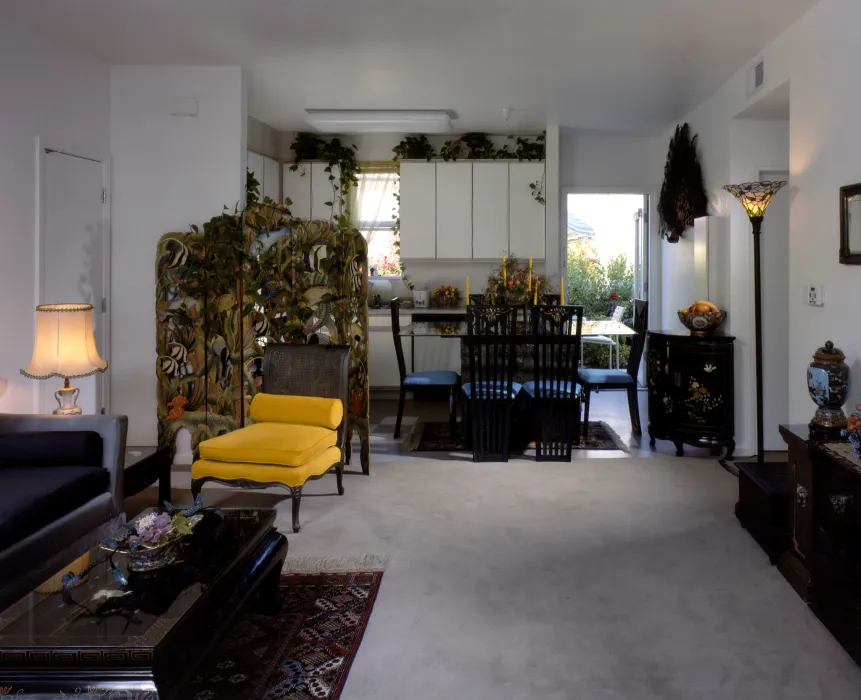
x: 413, y: 380
x: 555, y: 402
x: 620, y: 379
x: 491, y: 391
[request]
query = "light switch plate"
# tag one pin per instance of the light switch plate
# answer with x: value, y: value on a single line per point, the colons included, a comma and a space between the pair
x: 815, y: 295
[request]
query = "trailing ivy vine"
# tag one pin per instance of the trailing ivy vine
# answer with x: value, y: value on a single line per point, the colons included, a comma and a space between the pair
x: 309, y: 147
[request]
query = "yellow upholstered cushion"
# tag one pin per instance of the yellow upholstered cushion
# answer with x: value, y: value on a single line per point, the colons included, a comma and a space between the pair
x: 267, y: 473
x: 307, y: 410
x: 286, y: 445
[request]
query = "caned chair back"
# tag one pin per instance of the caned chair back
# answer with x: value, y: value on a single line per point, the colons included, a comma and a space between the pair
x: 309, y: 370
x: 638, y: 342
x: 396, y: 336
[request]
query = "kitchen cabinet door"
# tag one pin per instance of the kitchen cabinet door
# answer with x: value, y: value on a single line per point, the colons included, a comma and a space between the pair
x: 454, y: 211
x: 297, y: 186
x: 271, y: 179
x: 526, y: 216
x: 322, y: 192
x: 254, y: 163
x: 489, y: 210
x: 418, y: 211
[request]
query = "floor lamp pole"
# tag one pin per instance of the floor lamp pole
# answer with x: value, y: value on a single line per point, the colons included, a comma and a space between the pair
x: 757, y: 319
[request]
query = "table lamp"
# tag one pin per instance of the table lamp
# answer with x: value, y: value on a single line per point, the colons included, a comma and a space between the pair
x: 65, y: 347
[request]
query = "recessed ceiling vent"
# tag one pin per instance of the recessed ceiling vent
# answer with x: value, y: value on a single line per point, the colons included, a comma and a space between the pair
x: 755, y: 77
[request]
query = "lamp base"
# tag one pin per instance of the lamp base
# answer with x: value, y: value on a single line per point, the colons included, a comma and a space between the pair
x: 67, y: 398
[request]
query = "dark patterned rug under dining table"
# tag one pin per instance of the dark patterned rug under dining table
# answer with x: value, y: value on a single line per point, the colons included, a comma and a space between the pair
x: 304, y: 652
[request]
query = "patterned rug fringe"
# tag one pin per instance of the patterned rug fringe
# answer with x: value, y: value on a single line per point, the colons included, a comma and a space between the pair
x: 315, y: 565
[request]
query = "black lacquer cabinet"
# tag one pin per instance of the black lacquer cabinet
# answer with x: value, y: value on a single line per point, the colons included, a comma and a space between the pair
x: 690, y: 382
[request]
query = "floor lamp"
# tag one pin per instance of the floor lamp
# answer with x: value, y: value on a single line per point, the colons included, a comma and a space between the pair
x: 755, y: 198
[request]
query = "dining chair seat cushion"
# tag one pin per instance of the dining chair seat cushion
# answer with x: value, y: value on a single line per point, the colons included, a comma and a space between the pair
x: 553, y: 389
x: 280, y: 444
x: 267, y: 473
x: 604, y: 377
x: 305, y: 410
x: 438, y: 377
x: 491, y: 390
x: 598, y: 340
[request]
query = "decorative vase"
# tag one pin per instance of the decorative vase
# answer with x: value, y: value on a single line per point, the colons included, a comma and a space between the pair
x: 828, y: 384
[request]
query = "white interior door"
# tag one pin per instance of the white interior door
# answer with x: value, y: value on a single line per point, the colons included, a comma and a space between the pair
x: 72, y: 258
x: 774, y: 243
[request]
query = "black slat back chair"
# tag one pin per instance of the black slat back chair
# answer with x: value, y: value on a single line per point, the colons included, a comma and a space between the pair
x: 593, y: 379
x: 479, y: 299
x: 491, y: 335
x: 553, y: 390
x: 443, y: 378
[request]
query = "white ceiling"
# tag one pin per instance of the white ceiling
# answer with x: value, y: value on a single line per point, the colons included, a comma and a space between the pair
x: 598, y: 64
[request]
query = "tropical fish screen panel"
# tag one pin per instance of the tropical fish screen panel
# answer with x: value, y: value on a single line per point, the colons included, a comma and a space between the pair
x: 311, y: 280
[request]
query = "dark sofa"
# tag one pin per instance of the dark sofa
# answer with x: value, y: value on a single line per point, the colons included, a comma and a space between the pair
x: 61, y: 480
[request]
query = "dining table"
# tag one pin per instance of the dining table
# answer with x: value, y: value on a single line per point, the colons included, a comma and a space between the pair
x: 456, y: 328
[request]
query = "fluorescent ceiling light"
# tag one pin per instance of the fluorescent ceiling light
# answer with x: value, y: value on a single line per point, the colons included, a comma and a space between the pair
x: 352, y: 121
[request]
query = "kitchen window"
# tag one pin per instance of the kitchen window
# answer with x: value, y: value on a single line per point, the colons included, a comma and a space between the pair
x: 375, y: 208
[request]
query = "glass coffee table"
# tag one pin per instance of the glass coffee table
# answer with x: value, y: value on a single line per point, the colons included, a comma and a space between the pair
x: 143, y: 640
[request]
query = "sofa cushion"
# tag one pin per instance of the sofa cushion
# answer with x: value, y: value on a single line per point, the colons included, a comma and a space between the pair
x: 35, y: 497
x: 306, y: 410
x: 281, y: 444
x: 51, y: 448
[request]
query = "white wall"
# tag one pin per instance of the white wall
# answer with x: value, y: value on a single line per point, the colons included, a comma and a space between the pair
x: 168, y: 172
x: 60, y: 98
x: 611, y: 162
x: 263, y: 139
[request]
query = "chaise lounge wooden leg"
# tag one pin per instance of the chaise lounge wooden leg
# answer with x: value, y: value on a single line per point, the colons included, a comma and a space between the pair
x: 196, y: 486
x: 296, y: 495
x: 339, y: 476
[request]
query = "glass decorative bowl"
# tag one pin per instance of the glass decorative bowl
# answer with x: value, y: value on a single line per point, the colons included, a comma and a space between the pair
x: 152, y: 557
x: 702, y: 322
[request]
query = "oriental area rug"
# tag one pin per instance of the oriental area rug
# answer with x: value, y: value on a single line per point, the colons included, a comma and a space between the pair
x: 302, y: 653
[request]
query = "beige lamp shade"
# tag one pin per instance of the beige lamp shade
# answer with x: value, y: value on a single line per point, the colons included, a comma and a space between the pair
x: 65, y: 346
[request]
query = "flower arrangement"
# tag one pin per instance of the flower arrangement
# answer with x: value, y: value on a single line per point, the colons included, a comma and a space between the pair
x: 852, y: 431
x: 446, y: 296
x: 515, y: 282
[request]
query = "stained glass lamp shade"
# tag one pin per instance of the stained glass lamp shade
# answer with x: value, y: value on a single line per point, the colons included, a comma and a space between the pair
x: 755, y: 196
x: 65, y: 347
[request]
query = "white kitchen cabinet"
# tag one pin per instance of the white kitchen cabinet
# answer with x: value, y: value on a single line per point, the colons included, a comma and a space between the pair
x: 418, y: 211
x: 383, y: 370
x: 297, y: 186
x: 254, y: 163
x: 489, y: 210
x: 271, y: 186
x: 454, y: 211
x: 322, y: 192
x: 526, y: 216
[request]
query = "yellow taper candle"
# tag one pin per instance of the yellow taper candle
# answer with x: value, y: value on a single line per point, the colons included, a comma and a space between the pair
x: 504, y: 281
x: 529, y: 281
x: 562, y: 292
x: 467, y: 290
x: 535, y: 296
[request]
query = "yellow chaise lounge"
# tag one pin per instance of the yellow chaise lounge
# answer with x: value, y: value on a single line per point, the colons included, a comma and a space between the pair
x: 292, y: 439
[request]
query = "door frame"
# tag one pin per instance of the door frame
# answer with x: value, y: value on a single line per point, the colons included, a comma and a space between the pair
x: 103, y: 380
x: 653, y: 259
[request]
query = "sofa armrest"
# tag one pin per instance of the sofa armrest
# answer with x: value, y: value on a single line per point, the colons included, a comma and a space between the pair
x: 112, y: 429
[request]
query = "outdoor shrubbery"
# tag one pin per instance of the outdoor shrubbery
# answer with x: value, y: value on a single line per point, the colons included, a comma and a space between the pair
x: 599, y: 288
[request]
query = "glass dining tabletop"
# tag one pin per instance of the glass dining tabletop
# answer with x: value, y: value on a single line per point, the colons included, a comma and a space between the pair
x: 457, y: 329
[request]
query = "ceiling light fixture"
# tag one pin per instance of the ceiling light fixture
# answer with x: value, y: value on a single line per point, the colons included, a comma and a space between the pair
x: 353, y: 121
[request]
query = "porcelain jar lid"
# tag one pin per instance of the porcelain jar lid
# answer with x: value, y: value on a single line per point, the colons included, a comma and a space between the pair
x: 828, y: 353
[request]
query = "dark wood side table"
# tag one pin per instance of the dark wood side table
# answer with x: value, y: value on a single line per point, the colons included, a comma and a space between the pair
x: 690, y: 384
x: 145, y: 466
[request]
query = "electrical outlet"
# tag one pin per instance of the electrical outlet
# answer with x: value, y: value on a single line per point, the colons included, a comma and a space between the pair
x: 815, y: 295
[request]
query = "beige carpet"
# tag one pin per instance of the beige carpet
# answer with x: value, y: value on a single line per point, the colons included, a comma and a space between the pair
x: 603, y: 579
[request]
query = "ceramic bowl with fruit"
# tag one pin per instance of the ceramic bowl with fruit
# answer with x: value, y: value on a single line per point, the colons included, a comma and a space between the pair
x: 702, y: 317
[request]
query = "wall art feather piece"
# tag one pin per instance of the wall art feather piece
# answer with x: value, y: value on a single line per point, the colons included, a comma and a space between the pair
x: 683, y: 194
